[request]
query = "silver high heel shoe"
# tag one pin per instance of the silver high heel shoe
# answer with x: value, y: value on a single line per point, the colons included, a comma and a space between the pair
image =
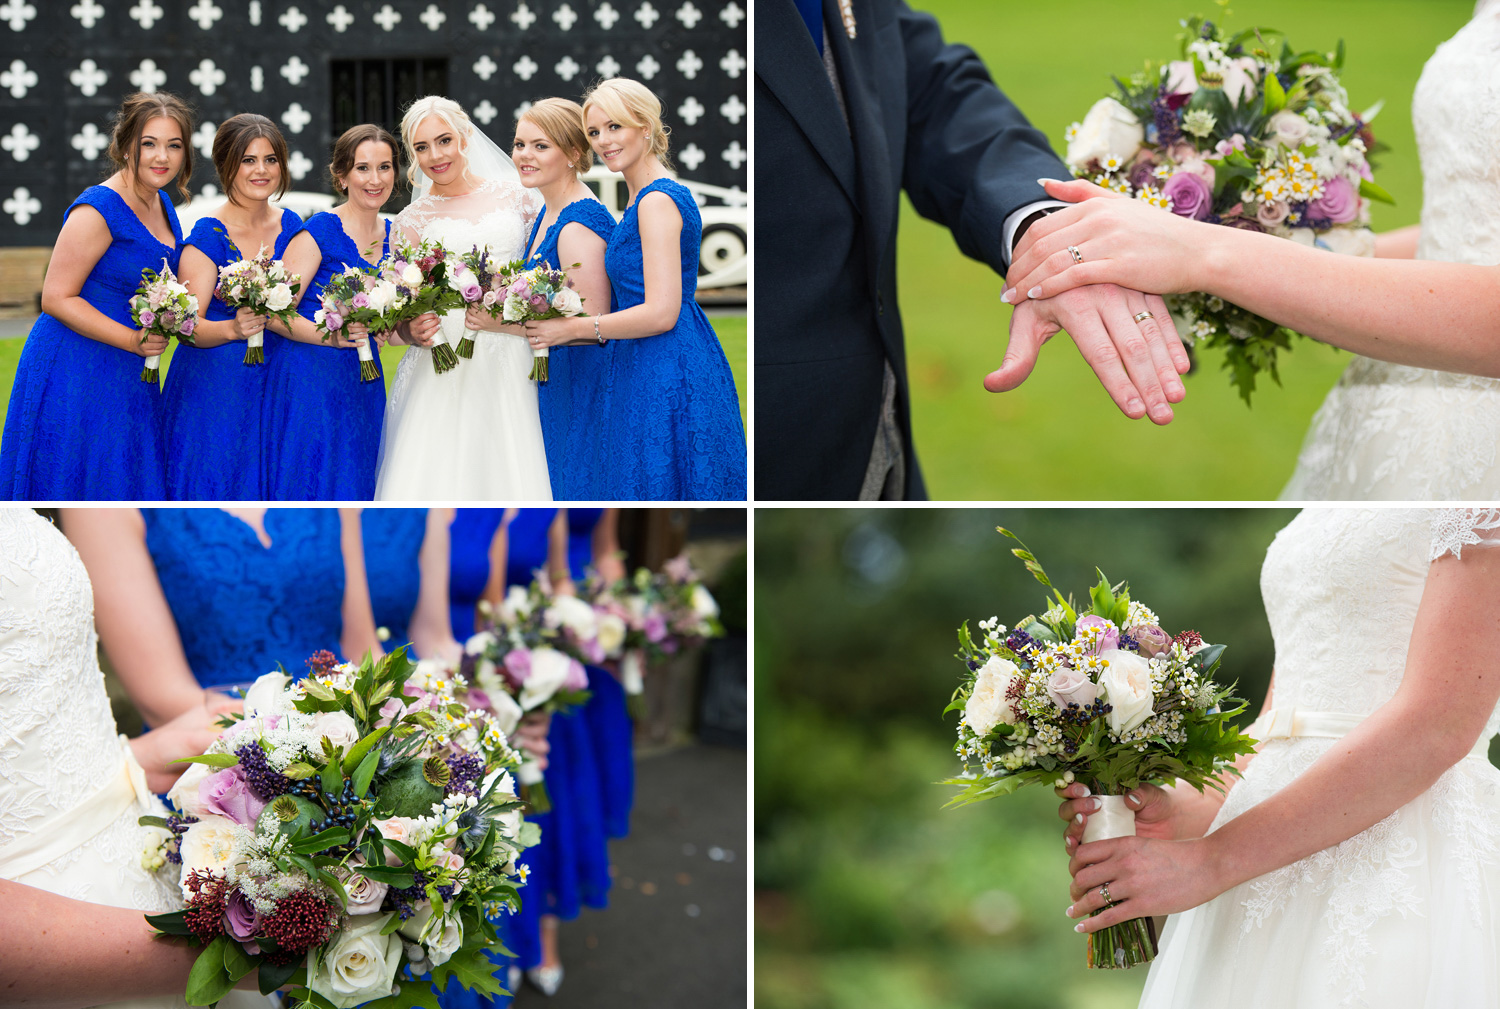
x: 546, y: 979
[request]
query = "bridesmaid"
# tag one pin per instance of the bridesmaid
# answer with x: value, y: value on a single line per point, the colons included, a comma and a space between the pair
x: 550, y: 151
x: 81, y: 424
x: 212, y: 401
x: 666, y: 423
x: 406, y: 561
x: 322, y: 423
x: 188, y: 598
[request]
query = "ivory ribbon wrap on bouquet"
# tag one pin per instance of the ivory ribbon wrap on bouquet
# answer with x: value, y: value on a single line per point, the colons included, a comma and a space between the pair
x: 633, y: 671
x: 1112, y: 819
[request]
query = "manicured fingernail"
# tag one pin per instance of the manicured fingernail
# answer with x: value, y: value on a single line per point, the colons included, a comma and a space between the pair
x: 1077, y: 817
x: 1069, y: 911
x: 1043, y: 182
x: 1078, y: 927
x: 1132, y: 799
x: 1006, y: 294
x: 1035, y: 292
x: 1086, y: 792
x: 1094, y: 805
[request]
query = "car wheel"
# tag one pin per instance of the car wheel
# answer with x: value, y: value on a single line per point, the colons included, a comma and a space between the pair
x: 722, y: 245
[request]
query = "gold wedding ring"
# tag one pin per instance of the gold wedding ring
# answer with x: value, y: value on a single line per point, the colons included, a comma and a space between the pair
x: 1073, y: 251
x: 1104, y: 892
x: 1142, y: 316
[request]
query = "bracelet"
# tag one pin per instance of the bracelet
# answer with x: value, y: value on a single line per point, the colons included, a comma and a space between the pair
x: 597, y: 335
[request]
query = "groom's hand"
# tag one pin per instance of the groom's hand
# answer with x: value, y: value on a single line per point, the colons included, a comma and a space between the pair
x: 1137, y: 362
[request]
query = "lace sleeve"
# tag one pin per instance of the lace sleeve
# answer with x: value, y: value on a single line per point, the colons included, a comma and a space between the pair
x: 409, y: 224
x: 1456, y: 528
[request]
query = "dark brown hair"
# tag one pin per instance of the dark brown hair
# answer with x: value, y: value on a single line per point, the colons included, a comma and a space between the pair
x: 346, y: 146
x: 235, y: 137
x: 130, y: 122
x: 561, y: 121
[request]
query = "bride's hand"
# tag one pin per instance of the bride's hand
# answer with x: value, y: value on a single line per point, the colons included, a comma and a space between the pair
x: 1145, y: 876
x: 1170, y: 814
x: 1121, y: 241
x: 423, y: 329
x: 477, y: 318
x: 187, y: 735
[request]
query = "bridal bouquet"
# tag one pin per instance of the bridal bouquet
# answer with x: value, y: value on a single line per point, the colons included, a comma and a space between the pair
x: 538, y: 293
x: 162, y: 306
x: 1101, y: 695
x: 263, y: 285
x: 351, y: 835
x: 1241, y: 130
x: 484, y: 283
x: 412, y: 281
x: 345, y: 300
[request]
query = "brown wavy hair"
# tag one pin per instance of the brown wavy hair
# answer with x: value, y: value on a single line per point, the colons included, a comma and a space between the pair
x: 345, y: 146
x: 234, y: 138
x: 130, y: 122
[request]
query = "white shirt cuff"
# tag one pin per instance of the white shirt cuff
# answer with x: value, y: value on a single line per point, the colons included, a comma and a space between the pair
x: 1008, y: 230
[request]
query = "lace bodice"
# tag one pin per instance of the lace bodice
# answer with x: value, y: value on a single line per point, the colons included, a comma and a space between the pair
x: 498, y: 214
x: 1394, y: 432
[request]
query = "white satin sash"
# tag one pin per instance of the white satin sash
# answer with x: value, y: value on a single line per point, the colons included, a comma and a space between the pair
x: 61, y: 833
x: 1295, y: 723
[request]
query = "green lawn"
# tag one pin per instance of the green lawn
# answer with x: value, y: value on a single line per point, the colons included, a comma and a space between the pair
x: 731, y: 330
x: 1055, y: 60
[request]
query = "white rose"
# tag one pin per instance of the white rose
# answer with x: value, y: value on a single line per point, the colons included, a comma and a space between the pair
x: 503, y: 706
x: 479, y: 643
x: 568, y: 302
x: 359, y: 964
x: 208, y: 846
x: 987, y: 706
x: 184, y: 792
x: 611, y: 634
x: 278, y: 297
x: 445, y: 941
x: 549, y: 668
x: 517, y: 601
x: 703, y: 602
x: 508, y: 824
x: 381, y: 295
x: 267, y: 696
x: 1288, y: 128
x: 572, y: 613
x: 1109, y: 128
x: 1127, y: 689
x: 1240, y: 79
x: 514, y: 309
x: 412, y: 275
x: 1347, y: 241
x: 337, y: 727
x: 318, y: 317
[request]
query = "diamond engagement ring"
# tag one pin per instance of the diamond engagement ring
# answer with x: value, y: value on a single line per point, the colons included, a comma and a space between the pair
x: 1073, y: 251
x: 1142, y: 316
x: 1104, y: 892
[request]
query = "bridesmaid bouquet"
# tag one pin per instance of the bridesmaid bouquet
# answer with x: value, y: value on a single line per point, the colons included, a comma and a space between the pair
x: 1244, y: 131
x: 1101, y: 695
x: 477, y: 283
x: 412, y: 281
x: 350, y: 835
x: 263, y: 285
x: 538, y: 293
x: 345, y: 300
x: 162, y: 306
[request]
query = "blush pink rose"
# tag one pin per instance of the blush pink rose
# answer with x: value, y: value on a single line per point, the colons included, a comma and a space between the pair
x: 1071, y: 686
x: 1111, y: 637
x: 1339, y: 202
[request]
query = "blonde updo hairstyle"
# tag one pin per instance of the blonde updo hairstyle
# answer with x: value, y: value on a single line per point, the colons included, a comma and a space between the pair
x: 562, y: 123
x: 449, y: 112
x: 633, y: 104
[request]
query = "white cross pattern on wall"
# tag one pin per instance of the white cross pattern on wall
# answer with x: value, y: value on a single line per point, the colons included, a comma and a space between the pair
x: 566, y: 68
x: 388, y: 18
x: 296, y: 117
x: 690, y: 110
x: 608, y: 67
x: 481, y: 17
x: 606, y: 15
x: 22, y: 206
x: 205, y: 13
x: 733, y: 63
x: 647, y: 15
x: 689, y: 15
x: 18, y: 80
x: 88, y: 78
x: 732, y: 15
x: 255, y: 13
x: 340, y: 18
x: 523, y: 18
x: 17, y: 12
x: 88, y: 13
x: 207, y: 77
x: 485, y: 111
x: 257, y: 80
x: 148, y: 76
x: 294, y: 69
x: 689, y: 64
x: 293, y: 20
x: 89, y: 141
x: 524, y: 67
x: 146, y: 14
x: 203, y: 139
x: 432, y: 17
x: 735, y: 155
x: 733, y: 110
x: 484, y: 67
x: 299, y: 164
x: 20, y: 142
x: 565, y: 17
x: 647, y: 66
x: 692, y: 155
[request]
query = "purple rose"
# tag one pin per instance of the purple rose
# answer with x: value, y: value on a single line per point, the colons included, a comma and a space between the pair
x: 148, y: 317
x: 1071, y: 686
x: 361, y: 300
x: 242, y: 921
x: 577, y: 678
x: 470, y: 293
x: 188, y: 325
x: 655, y: 628
x: 518, y: 664
x: 333, y: 320
x: 519, y: 288
x: 1109, y: 639
x: 478, y: 698
x: 168, y: 320
x: 1339, y: 202
x: 226, y: 793
x: 1190, y: 196
x: 1151, y: 640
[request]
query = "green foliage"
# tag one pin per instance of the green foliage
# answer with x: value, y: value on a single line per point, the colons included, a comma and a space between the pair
x: 273, y: 976
x: 207, y: 980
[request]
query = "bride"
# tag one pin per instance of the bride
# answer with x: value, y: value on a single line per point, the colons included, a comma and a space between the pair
x: 1357, y: 862
x: 473, y: 433
x: 1416, y: 416
x: 71, y: 876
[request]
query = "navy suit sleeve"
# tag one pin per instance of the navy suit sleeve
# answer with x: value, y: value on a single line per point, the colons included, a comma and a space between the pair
x: 972, y: 158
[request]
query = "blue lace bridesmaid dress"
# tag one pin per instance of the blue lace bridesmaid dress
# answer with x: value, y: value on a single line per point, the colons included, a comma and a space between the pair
x: 322, y: 423
x: 568, y: 400
x: 212, y: 400
x: 469, y: 538
x: 81, y: 425
x: 608, y: 722
x: 242, y: 608
x: 393, y: 544
x: 670, y: 418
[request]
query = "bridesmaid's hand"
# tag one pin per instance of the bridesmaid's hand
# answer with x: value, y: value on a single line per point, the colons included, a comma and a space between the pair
x: 354, y: 334
x: 531, y: 736
x: 149, y: 344
x: 479, y: 319
x: 555, y: 332
x: 423, y: 329
x: 247, y: 323
x: 187, y: 735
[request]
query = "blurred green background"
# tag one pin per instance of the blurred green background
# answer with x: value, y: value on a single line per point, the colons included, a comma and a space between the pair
x: 1054, y: 60
x: 867, y: 894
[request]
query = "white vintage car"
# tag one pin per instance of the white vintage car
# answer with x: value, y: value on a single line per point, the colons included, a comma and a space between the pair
x: 723, y: 260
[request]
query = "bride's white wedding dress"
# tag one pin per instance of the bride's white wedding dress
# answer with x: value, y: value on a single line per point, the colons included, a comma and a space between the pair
x: 1407, y: 913
x: 70, y: 789
x: 1392, y: 432
x: 473, y: 433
